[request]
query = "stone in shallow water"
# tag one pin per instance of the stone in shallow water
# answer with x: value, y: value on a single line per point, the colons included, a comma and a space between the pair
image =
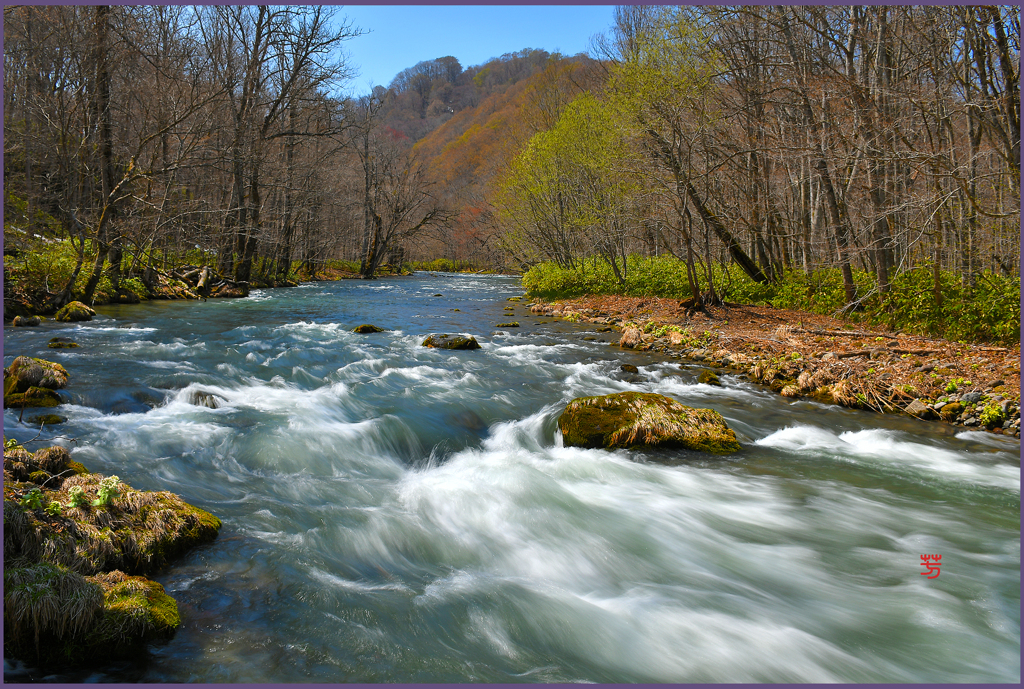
x: 444, y: 341
x: 367, y: 328
x: 637, y: 420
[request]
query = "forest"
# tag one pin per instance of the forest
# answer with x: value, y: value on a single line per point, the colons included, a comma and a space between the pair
x: 841, y: 158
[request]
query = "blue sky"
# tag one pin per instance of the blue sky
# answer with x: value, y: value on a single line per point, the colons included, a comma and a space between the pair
x: 401, y: 36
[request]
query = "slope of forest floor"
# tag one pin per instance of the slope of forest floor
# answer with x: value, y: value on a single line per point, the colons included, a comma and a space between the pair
x: 801, y: 354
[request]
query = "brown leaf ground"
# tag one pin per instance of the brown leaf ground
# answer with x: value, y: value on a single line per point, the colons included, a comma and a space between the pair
x: 888, y: 369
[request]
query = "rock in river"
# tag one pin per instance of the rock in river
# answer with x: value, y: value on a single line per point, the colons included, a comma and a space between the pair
x: 30, y: 382
x: 451, y: 342
x: 366, y: 329
x: 75, y: 311
x: 636, y: 419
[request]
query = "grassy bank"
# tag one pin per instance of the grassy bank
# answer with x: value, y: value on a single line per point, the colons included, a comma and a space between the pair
x: 988, y: 312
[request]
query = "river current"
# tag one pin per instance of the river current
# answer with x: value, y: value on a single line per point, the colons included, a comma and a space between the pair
x: 393, y: 513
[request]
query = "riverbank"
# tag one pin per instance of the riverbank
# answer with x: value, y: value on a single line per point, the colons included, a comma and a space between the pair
x: 800, y: 354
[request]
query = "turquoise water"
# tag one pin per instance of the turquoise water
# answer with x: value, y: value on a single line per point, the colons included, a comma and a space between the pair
x: 394, y: 513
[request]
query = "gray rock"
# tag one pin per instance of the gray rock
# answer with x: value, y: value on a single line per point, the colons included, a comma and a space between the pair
x: 971, y: 397
x: 921, y: 410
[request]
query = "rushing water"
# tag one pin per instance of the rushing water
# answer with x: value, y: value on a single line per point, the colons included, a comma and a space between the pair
x: 394, y: 513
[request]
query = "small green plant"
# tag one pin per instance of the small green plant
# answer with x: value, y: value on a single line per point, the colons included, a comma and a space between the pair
x: 871, y: 370
x: 574, y: 318
x: 76, y: 497
x: 794, y: 356
x: 991, y: 415
x: 10, y: 444
x: 53, y: 508
x: 32, y: 499
x: 108, y: 490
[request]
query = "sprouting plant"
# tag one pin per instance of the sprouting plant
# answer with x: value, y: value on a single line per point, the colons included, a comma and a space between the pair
x: 76, y: 497
x: 871, y: 370
x: 10, y: 444
x: 991, y: 415
x: 574, y: 317
x: 107, y: 491
x: 794, y: 356
x: 32, y: 499
x: 53, y: 508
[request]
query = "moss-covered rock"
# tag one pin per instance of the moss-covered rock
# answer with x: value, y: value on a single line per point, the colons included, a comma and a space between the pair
x: 55, y: 615
x: 28, y: 372
x: 62, y: 343
x: 74, y: 312
x: 33, y: 397
x: 366, y: 329
x: 25, y: 321
x: 636, y: 419
x: 510, y: 324
x: 950, y: 411
x: 442, y: 341
x: 47, y: 420
x: 135, y: 610
x: 709, y: 377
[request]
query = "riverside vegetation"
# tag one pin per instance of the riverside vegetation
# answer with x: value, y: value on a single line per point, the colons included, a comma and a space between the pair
x: 77, y: 545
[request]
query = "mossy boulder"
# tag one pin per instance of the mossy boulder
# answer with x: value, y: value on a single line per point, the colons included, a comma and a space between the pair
x: 639, y: 420
x: 27, y: 372
x: 366, y: 329
x: 61, y: 343
x: 55, y: 615
x: 950, y: 411
x: 74, y: 312
x: 25, y: 321
x: 47, y: 420
x: 442, y: 341
x: 510, y: 324
x: 709, y: 377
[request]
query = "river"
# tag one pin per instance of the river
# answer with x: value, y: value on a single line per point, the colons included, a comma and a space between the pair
x: 394, y: 513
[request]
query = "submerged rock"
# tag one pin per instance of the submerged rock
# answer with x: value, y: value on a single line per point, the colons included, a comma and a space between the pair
x: 75, y: 311
x: 202, y: 398
x: 366, y: 328
x: 443, y: 341
x: 47, y: 420
x: 636, y: 419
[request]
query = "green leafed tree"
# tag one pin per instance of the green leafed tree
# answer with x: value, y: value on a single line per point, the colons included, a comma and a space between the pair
x: 574, y: 190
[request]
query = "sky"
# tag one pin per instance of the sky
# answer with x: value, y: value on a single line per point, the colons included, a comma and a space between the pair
x: 401, y: 36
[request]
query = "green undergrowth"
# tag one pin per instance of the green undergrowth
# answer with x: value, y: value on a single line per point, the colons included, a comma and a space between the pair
x: 987, y: 312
